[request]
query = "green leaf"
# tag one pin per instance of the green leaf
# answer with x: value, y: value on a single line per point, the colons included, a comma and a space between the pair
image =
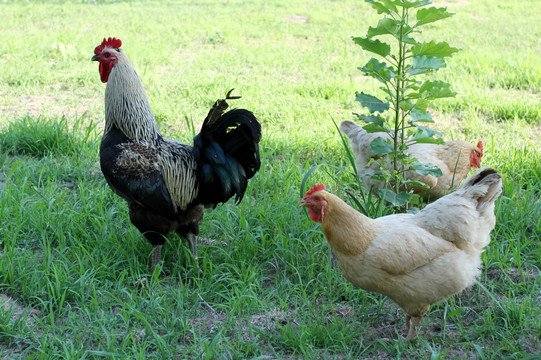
x: 374, y: 46
x: 394, y: 198
x: 411, y: 84
x: 420, y: 116
x: 380, y: 146
x: 374, y: 128
x: 378, y: 70
x: 431, y: 90
x: 425, y: 16
x: 432, y: 48
x: 427, y: 169
x: 429, y: 140
x: 406, y: 105
x: 421, y: 105
x: 413, y: 4
x: 388, y: 4
x: 376, y: 119
x: 423, y: 64
x: 380, y: 8
x: 389, y: 91
x: 388, y: 26
x: 371, y: 102
x: 426, y: 135
x: 415, y: 183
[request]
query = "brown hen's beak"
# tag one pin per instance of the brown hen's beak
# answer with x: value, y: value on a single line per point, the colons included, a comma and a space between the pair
x: 302, y: 202
x: 95, y: 58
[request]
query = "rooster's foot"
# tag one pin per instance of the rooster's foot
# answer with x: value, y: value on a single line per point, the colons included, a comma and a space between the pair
x: 192, y: 239
x: 156, y: 255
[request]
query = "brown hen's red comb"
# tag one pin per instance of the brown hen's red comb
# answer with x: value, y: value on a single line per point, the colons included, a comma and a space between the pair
x: 316, y: 187
x: 480, y: 147
x: 110, y: 42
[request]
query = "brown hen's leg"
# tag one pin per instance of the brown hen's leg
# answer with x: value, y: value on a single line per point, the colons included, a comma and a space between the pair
x: 156, y: 255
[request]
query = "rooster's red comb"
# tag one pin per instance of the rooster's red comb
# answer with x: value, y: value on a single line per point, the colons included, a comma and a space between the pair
x: 110, y: 42
x: 480, y: 146
x: 316, y: 187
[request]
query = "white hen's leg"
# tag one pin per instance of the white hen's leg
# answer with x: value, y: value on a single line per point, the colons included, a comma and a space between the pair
x: 408, y: 322
x: 412, y: 332
x: 415, y: 322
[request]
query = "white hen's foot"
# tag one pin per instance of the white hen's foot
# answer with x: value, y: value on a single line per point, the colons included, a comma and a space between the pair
x: 408, y: 323
x: 414, y: 324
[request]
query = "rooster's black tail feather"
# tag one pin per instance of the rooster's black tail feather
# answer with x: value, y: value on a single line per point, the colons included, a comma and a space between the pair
x: 227, y: 152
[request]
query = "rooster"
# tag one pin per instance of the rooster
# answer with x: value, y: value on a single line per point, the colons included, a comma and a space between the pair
x: 416, y: 260
x: 166, y: 183
x: 454, y: 159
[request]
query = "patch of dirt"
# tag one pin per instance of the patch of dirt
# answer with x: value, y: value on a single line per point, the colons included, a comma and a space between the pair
x: 2, y: 180
x: 35, y: 105
x: 211, y: 242
x: 268, y: 320
x: 9, y: 304
x: 530, y: 275
x: 51, y: 106
x: 301, y: 19
x: 208, y: 323
x: 341, y: 312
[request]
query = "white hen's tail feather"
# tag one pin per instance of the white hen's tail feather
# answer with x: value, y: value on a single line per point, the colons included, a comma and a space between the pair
x: 466, y: 216
x: 484, y: 186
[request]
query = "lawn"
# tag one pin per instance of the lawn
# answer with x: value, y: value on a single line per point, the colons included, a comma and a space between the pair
x: 71, y: 262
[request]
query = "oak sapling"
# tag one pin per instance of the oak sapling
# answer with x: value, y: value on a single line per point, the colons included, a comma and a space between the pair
x: 400, y: 110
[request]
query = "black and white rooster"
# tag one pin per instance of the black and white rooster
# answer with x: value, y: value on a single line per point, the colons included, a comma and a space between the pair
x: 165, y: 182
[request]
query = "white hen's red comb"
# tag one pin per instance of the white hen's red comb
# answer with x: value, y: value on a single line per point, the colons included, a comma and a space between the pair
x: 316, y: 187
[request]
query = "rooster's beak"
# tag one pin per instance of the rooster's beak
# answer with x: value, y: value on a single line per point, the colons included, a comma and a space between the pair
x: 95, y: 58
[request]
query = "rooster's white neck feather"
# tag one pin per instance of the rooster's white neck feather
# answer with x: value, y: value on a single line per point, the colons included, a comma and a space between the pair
x: 126, y: 105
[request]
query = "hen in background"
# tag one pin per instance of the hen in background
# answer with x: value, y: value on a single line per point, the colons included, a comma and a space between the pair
x: 454, y: 158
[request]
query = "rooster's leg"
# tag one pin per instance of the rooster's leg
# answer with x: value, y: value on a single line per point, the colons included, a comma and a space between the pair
x: 156, y: 255
x: 192, y: 239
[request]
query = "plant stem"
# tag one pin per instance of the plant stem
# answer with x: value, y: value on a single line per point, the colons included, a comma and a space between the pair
x: 398, y: 122
x: 402, y: 80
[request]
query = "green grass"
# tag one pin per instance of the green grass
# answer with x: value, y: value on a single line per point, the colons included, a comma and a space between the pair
x: 70, y: 260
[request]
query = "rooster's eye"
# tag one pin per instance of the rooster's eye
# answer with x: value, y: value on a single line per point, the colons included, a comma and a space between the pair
x: 107, y: 55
